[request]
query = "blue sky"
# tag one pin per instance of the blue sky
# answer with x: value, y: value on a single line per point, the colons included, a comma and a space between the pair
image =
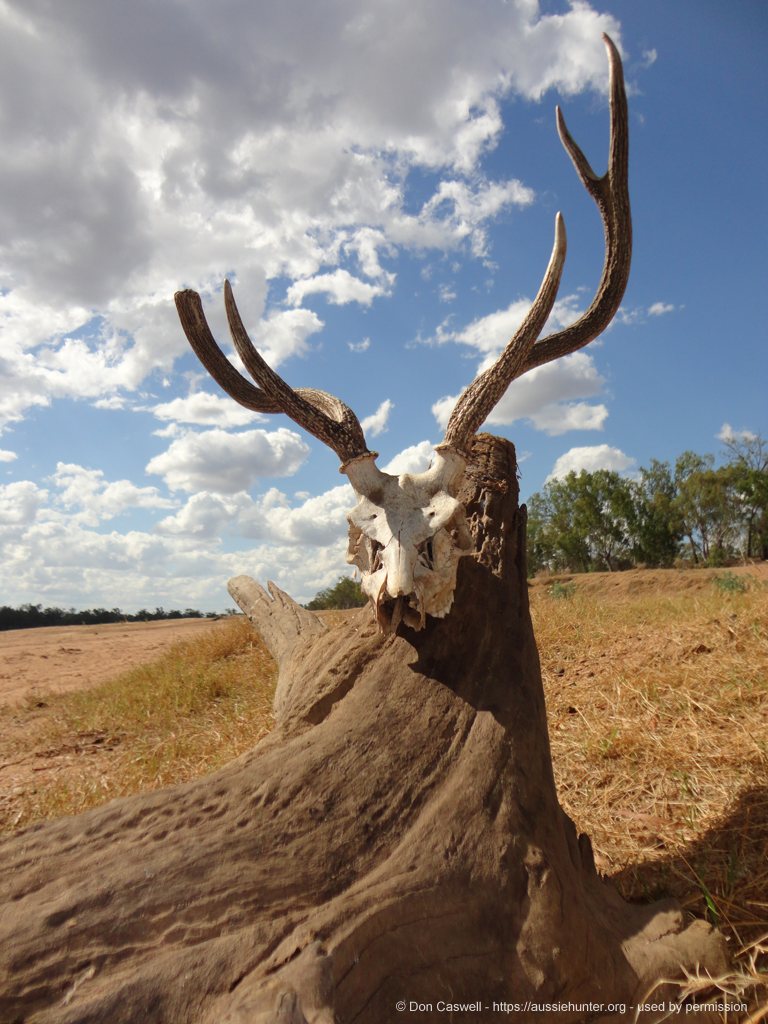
x: 379, y: 182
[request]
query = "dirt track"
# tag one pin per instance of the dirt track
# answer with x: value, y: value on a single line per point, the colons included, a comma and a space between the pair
x: 55, y: 659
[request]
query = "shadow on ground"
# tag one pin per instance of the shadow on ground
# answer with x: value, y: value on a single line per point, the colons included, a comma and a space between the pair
x: 722, y: 877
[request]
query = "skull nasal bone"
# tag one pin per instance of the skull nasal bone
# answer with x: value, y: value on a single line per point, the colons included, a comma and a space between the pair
x: 400, y: 575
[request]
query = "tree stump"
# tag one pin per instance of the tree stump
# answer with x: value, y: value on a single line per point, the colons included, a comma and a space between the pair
x: 397, y: 837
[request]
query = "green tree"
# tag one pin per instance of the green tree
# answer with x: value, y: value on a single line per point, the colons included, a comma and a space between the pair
x: 748, y: 458
x: 687, y: 466
x: 751, y: 487
x: 345, y: 593
x: 655, y: 523
x: 540, y: 546
x: 581, y: 522
x: 603, y: 512
x: 564, y: 539
x: 588, y: 521
x: 708, y: 506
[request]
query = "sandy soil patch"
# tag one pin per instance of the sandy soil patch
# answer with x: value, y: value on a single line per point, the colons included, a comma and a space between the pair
x: 56, y: 659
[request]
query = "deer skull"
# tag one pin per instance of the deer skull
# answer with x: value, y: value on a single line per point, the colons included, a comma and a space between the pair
x: 406, y: 536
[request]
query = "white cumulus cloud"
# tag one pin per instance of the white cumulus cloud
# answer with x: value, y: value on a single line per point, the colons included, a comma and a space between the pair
x: 489, y: 334
x: 204, y: 409
x: 727, y: 434
x: 661, y: 308
x: 376, y: 423
x: 340, y: 287
x: 254, y: 145
x: 413, y: 459
x: 19, y: 503
x: 215, y: 460
x: 284, y: 333
x: 546, y: 397
x: 51, y: 549
x: 316, y: 521
x: 601, y: 456
x: 560, y: 417
x: 359, y: 346
x: 88, y: 492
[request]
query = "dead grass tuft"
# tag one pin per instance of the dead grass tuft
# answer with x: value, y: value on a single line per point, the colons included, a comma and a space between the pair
x: 746, y: 985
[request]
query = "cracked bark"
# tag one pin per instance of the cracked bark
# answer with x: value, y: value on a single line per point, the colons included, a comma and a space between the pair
x: 397, y: 836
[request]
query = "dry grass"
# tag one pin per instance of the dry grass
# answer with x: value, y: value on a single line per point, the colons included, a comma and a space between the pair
x: 658, y: 710
x: 192, y: 710
x: 657, y: 693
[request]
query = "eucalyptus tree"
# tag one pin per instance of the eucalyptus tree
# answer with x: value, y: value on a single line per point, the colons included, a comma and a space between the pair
x: 584, y: 522
x: 748, y: 460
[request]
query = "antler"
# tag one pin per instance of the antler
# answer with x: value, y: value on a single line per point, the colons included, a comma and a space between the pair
x: 484, y: 392
x: 523, y: 352
x: 334, y: 423
x: 320, y: 414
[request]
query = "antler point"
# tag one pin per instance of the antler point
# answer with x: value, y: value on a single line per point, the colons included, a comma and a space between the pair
x: 612, y: 48
x: 560, y: 233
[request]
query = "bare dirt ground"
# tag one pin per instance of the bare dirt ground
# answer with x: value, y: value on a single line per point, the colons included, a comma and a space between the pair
x: 55, y: 659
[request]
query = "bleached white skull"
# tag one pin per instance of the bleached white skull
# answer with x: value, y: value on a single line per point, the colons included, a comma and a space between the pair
x: 406, y: 536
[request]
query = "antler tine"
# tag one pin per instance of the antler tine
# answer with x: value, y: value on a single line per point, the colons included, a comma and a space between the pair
x: 611, y: 194
x: 484, y: 392
x: 523, y: 353
x: 324, y: 416
x: 195, y: 326
x: 321, y: 414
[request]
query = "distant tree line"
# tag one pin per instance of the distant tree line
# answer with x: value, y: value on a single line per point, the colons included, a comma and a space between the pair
x: 28, y: 616
x: 692, y: 513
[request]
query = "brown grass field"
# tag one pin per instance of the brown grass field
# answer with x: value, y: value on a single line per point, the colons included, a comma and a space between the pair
x: 657, y: 693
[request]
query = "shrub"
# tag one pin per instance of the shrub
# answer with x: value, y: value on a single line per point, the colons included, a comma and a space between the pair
x: 562, y: 591
x: 730, y: 583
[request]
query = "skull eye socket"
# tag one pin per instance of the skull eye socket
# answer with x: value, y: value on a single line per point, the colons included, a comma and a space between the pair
x: 426, y: 554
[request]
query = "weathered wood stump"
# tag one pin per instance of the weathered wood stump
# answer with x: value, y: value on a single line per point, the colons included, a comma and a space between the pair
x: 396, y: 837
